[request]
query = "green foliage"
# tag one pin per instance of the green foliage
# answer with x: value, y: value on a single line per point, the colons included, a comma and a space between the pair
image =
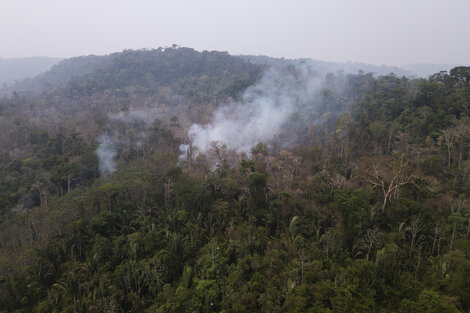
x: 297, y: 230
x: 354, y: 207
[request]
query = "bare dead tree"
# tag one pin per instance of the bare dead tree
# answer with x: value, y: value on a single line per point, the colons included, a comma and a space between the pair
x: 419, y: 252
x: 372, y: 239
x: 456, y: 218
x: 389, y: 177
x: 416, y: 226
x: 168, y: 190
x: 448, y: 138
x: 284, y: 167
x: 329, y: 239
x: 462, y: 131
x: 303, y: 259
x: 439, y: 228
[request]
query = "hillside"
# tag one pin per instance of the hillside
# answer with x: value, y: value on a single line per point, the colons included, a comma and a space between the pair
x: 172, y: 180
x: 16, y: 69
x: 143, y: 69
x: 325, y: 67
x: 425, y: 69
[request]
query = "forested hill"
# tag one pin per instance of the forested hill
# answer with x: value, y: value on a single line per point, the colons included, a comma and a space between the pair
x: 359, y: 201
x: 147, y: 70
x: 347, y: 67
x: 16, y: 69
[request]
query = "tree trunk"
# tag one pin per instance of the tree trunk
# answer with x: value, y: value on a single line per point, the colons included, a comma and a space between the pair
x: 468, y: 228
x: 449, y: 153
x: 453, y: 236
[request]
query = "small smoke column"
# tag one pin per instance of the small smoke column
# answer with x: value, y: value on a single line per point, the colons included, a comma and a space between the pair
x: 106, y: 153
x: 126, y: 131
x: 122, y: 136
x: 260, y: 115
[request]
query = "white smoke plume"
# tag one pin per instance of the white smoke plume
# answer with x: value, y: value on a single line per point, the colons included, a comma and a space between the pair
x: 260, y: 115
x: 127, y: 129
x: 106, y: 153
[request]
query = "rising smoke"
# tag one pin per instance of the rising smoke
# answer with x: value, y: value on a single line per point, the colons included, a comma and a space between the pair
x: 106, y: 153
x: 127, y: 130
x: 285, y: 102
x: 121, y: 134
x: 262, y: 113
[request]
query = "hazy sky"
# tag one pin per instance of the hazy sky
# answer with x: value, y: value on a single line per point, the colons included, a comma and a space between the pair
x: 392, y: 32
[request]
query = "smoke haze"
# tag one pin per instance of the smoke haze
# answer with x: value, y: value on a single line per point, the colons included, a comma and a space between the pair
x: 128, y: 130
x: 276, y: 110
x: 106, y: 153
x: 337, y: 30
x: 260, y: 116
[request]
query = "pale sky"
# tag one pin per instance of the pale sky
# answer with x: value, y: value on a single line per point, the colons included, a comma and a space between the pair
x: 391, y: 32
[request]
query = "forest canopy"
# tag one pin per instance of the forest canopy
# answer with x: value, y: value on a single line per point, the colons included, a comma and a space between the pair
x: 358, y: 203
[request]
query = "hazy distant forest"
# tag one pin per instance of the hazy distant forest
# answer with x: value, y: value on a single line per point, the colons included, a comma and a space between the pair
x: 358, y: 202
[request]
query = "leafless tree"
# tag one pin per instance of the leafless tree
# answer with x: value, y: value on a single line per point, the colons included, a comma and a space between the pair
x: 303, y: 259
x: 372, y: 239
x: 439, y: 228
x: 419, y: 250
x: 330, y: 239
x: 448, y: 139
x: 416, y: 226
x: 284, y: 167
x: 456, y: 136
x: 389, y: 176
